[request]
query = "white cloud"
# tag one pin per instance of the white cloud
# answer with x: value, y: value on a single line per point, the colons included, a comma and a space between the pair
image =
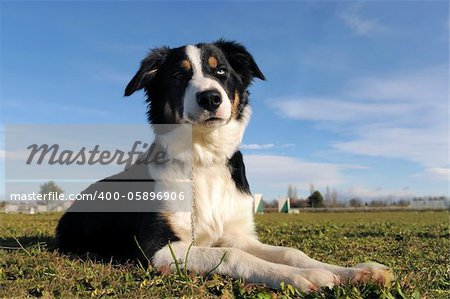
x: 407, y: 86
x: 336, y: 110
x: 428, y: 147
x: 285, y: 145
x: 376, y: 193
x: 50, y: 108
x: 357, y: 23
x: 403, y: 115
x: 434, y: 174
x: 392, y: 96
x: 274, y: 172
x: 254, y: 146
x: 264, y: 146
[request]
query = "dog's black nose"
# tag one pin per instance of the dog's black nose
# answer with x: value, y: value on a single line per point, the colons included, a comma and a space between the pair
x: 209, y: 100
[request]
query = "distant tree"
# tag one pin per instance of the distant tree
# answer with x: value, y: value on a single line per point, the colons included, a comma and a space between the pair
x: 340, y: 204
x: 49, y: 187
x: 315, y: 200
x: 298, y: 203
x: 328, y: 195
x: 403, y: 203
x: 311, y: 188
x: 377, y: 203
x: 334, y: 197
x: 292, y: 192
x: 355, y: 202
x: 272, y: 204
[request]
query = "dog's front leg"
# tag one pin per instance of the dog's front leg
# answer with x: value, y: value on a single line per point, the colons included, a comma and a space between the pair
x: 293, y: 257
x: 236, y: 263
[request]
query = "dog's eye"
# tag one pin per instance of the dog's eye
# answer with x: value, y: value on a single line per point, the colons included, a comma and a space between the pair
x: 221, y: 71
x: 178, y: 76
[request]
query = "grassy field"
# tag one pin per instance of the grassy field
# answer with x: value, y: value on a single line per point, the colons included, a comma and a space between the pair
x: 415, y: 244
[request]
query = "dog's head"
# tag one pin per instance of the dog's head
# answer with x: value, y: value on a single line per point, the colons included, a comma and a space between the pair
x: 203, y: 84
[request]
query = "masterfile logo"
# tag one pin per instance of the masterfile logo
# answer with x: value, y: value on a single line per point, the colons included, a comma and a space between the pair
x: 128, y: 162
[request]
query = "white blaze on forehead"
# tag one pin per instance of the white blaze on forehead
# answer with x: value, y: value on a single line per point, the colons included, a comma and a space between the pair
x: 199, y: 83
x: 193, y: 53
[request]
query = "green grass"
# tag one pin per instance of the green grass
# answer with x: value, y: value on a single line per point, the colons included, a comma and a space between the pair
x: 415, y: 244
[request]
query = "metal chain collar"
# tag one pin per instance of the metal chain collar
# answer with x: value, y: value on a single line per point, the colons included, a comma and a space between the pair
x: 193, y: 209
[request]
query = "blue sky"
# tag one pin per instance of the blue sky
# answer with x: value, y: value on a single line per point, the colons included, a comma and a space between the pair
x: 356, y: 96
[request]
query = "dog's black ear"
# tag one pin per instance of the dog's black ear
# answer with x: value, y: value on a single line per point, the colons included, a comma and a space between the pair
x: 240, y: 60
x: 147, y: 71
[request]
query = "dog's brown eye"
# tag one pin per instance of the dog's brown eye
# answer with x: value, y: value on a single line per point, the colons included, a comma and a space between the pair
x: 178, y: 76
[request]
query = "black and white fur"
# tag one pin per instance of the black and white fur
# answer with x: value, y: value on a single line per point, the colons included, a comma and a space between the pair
x: 204, y: 85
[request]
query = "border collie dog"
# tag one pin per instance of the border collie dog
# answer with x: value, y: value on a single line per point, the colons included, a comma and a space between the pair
x: 204, y: 85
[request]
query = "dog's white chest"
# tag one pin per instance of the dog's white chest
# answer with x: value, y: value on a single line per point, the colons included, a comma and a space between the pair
x: 221, y: 210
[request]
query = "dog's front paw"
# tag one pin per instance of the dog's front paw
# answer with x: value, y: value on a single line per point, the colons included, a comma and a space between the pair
x: 372, y: 271
x: 301, y: 283
x: 311, y: 280
x: 321, y: 277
